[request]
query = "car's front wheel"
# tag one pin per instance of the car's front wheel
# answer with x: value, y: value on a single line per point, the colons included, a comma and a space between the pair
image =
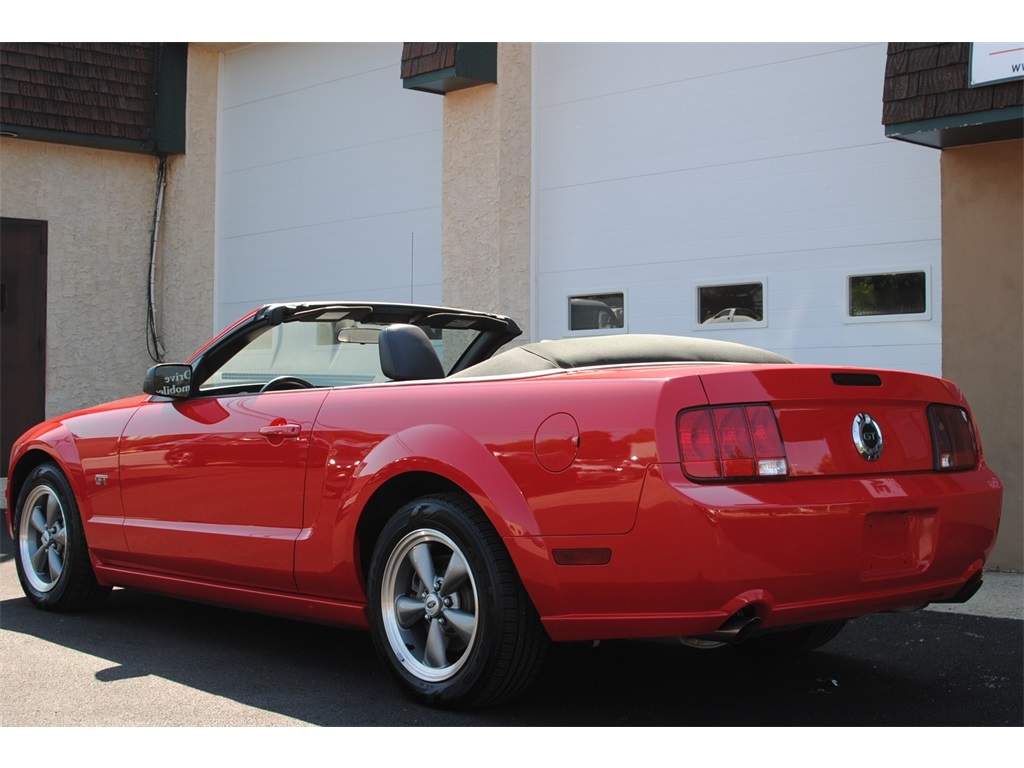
x: 451, y: 621
x: 51, y: 556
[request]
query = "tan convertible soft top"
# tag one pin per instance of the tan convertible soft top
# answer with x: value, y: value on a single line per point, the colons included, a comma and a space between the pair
x: 623, y: 349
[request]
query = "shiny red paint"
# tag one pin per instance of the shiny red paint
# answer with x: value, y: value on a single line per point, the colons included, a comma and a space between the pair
x: 271, y: 501
x: 698, y: 554
x: 213, y: 488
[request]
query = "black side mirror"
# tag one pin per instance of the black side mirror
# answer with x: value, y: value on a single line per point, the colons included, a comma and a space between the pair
x: 168, y: 380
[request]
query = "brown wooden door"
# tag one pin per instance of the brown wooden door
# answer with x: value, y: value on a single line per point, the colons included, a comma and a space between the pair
x: 22, y: 330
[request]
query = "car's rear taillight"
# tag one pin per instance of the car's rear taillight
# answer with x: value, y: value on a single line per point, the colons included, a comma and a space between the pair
x: 953, y: 443
x: 731, y: 442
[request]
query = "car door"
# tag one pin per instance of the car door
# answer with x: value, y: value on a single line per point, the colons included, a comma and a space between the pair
x: 212, y: 486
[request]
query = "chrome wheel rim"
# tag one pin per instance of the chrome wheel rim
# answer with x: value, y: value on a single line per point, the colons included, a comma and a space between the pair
x: 429, y: 605
x: 42, y: 539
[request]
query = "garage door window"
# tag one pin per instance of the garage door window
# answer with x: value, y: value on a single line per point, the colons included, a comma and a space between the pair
x: 597, y: 311
x: 739, y: 305
x: 888, y: 294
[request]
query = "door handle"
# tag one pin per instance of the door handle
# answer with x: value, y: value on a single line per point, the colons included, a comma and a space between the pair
x: 281, y: 430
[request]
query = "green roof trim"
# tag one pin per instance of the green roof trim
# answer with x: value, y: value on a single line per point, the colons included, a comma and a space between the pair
x: 75, y: 139
x: 165, y: 125
x: 169, y: 120
x: 475, y: 64
x: 962, y: 130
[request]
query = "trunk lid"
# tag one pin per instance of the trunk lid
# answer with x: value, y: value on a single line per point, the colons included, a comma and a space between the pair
x: 830, y: 418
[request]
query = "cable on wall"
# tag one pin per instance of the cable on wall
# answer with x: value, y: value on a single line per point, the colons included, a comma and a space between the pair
x: 154, y: 345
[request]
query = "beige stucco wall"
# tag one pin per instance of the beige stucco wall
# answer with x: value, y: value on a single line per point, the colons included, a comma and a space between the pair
x: 486, y: 197
x: 185, y: 268
x: 99, y: 208
x: 982, y: 317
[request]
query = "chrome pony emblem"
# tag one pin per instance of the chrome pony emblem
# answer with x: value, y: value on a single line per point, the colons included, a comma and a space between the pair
x: 867, y: 436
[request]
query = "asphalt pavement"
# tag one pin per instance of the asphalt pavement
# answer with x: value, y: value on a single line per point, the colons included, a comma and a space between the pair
x: 144, y: 660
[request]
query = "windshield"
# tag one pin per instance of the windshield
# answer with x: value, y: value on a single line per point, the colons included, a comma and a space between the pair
x: 324, y: 353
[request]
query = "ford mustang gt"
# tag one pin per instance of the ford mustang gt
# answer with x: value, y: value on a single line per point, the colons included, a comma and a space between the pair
x: 386, y: 467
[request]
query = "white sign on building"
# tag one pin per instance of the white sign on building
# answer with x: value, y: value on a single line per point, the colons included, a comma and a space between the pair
x: 996, y: 62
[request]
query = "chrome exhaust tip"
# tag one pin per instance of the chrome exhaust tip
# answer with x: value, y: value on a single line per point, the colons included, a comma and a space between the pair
x: 736, y: 628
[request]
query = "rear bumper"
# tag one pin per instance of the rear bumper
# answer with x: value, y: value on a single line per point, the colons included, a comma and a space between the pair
x: 793, y: 552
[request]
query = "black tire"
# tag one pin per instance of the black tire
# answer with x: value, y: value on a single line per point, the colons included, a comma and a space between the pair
x: 791, y: 642
x: 50, y: 552
x: 473, y: 638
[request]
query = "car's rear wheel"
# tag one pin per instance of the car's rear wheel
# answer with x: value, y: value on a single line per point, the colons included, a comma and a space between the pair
x: 451, y: 621
x: 792, y: 641
x: 51, y: 555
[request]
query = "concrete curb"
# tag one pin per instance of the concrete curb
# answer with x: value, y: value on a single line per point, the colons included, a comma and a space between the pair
x: 1001, y: 596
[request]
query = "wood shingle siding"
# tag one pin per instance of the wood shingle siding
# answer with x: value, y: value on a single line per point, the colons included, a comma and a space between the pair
x: 94, y: 89
x: 924, y: 81
x: 420, y: 58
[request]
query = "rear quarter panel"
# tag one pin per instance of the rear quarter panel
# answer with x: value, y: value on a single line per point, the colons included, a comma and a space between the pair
x: 486, y: 437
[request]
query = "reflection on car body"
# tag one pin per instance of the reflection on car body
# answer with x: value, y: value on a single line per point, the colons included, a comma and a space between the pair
x: 733, y: 315
x: 593, y: 314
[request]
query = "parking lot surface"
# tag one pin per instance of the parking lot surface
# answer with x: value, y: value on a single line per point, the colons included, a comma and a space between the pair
x: 145, y: 660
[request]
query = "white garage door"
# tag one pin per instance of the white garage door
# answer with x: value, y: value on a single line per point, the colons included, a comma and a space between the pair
x: 329, y: 178
x: 691, y: 180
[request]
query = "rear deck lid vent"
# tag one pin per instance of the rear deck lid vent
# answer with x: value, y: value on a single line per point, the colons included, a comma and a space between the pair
x: 857, y: 379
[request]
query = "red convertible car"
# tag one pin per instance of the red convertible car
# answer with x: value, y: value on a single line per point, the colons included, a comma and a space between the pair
x: 379, y: 466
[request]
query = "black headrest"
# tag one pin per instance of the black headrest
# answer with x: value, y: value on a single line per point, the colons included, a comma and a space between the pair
x: 406, y: 354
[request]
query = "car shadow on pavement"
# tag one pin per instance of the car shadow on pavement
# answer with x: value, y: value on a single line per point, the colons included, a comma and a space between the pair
x: 884, y: 670
x: 921, y: 669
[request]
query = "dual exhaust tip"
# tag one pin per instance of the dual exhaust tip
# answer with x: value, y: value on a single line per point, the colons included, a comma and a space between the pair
x: 744, y: 623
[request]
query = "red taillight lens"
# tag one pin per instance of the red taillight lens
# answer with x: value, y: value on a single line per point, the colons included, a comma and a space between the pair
x: 698, y: 444
x: 953, y: 442
x: 768, y: 448
x: 735, y: 441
